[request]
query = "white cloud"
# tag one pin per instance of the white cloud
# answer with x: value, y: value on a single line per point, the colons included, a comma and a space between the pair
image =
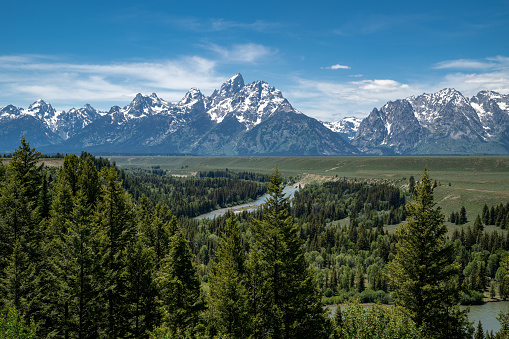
x: 337, y: 66
x: 486, y: 64
x: 332, y: 100
x: 463, y: 64
x: 259, y: 25
x: 492, y: 74
x: 242, y: 53
x: 384, y: 85
x: 25, y: 78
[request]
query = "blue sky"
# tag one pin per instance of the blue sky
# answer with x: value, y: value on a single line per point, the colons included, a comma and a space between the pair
x: 331, y: 59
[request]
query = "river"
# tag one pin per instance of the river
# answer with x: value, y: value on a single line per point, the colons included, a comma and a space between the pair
x: 289, y: 191
x: 487, y: 313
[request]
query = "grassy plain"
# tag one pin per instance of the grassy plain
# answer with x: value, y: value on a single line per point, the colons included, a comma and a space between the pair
x: 474, y: 181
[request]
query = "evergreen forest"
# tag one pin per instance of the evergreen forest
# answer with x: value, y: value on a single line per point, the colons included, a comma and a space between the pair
x: 88, y: 250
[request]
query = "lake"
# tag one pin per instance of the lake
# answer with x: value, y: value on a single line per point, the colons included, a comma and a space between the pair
x: 289, y: 191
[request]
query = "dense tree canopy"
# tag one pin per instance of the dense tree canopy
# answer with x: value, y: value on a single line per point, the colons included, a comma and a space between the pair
x: 91, y: 251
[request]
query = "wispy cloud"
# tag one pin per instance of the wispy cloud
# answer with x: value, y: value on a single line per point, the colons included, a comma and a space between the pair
x: 258, y: 25
x: 472, y: 64
x: 463, y: 64
x: 241, y: 53
x: 220, y: 24
x: 333, y: 100
x: 329, y: 100
x: 337, y: 66
x: 58, y: 81
x: 492, y: 73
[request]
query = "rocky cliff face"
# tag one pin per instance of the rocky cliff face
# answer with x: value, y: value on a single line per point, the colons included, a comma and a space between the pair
x: 445, y: 122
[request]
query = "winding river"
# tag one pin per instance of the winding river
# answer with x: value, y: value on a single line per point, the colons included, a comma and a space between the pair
x: 289, y: 191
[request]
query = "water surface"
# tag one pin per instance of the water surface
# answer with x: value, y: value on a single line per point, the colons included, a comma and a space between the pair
x: 289, y: 191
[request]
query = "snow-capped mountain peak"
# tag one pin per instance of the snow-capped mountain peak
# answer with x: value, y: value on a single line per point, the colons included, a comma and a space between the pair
x: 9, y: 112
x: 192, y: 97
x: 347, y: 126
x: 44, y: 112
x: 250, y: 105
x: 145, y: 105
x: 233, y: 85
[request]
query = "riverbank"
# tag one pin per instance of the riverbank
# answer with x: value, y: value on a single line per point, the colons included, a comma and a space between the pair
x: 289, y: 191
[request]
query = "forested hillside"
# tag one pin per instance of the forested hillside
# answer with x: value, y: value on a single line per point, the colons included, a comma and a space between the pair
x: 92, y: 251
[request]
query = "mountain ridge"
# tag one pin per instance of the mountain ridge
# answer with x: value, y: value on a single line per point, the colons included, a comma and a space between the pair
x: 256, y: 119
x: 237, y: 119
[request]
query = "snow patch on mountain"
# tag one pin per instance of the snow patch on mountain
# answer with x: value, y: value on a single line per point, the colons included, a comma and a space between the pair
x: 347, y: 126
x: 249, y: 104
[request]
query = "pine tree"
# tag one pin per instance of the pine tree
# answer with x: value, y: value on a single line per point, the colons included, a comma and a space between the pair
x: 71, y: 265
x: 227, y: 299
x: 115, y: 221
x: 463, y: 215
x: 359, y: 280
x: 141, y: 289
x: 423, y: 272
x: 179, y: 288
x: 283, y: 299
x: 485, y: 215
x: 20, y: 233
x: 411, y: 184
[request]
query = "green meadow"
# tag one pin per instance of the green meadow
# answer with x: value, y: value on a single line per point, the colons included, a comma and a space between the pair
x: 463, y: 181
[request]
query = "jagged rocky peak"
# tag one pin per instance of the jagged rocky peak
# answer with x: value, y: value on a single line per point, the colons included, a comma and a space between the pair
x: 10, y: 111
x: 40, y: 109
x: 143, y: 105
x: 233, y: 85
x: 192, y: 96
x: 485, y: 97
x: 488, y: 95
x: 448, y: 94
x: 89, y: 108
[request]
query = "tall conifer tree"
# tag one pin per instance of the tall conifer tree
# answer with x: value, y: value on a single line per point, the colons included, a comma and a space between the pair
x: 115, y: 221
x: 20, y: 234
x: 423, y: 272
x: 179, y: 288
x: 228, y: 295
x: 284, y: 300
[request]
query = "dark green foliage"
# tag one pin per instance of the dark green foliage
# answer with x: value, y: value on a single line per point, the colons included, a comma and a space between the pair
x: 193, y: 196
x: 20, y: 235
x: 228, y: 291
x: 179, y: 287
x: 115, y: 221
x: 423, y: 272
x: 338, y: 199
x: 283, y: 300
x: 411, y: 185
x: 358, y: 322
x: 84, y: 259
x: 14, y: 326
x: 479, y: 333
x: 503, y: 319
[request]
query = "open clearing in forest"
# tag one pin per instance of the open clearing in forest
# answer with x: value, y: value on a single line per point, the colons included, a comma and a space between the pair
x: 474, y: 181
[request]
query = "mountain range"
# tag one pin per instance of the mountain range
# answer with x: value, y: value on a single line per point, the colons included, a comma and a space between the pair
x: 255, y: 119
